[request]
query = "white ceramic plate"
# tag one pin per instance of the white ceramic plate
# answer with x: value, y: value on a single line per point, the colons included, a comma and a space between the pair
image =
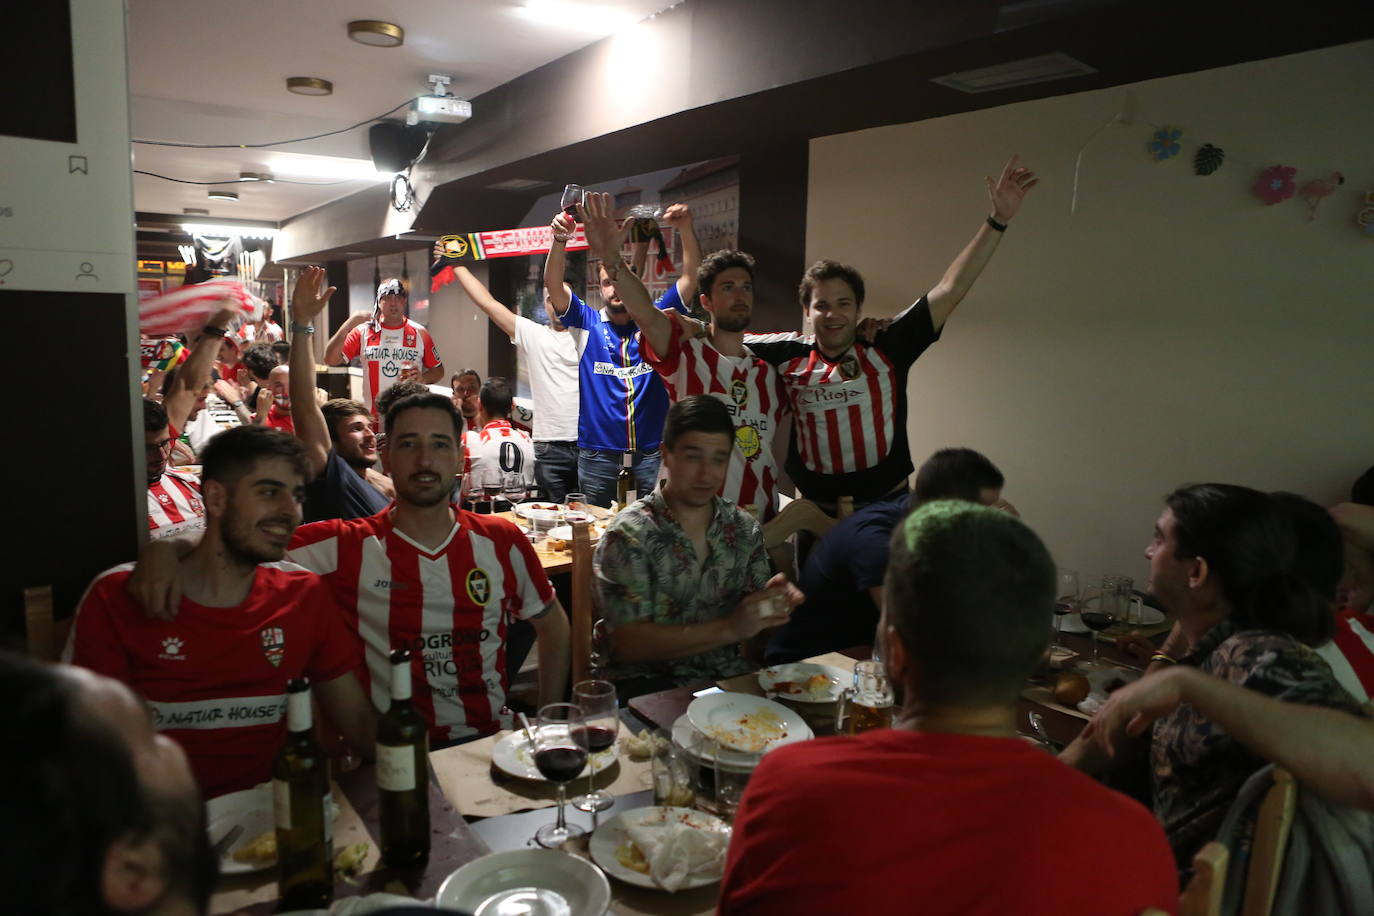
x: 504, y: 881
x: 512, y: 755
x: 614, y: 832
x: 524, y: 509
x: 746, y: 723
x: 564, y: 533
x: 795, y: 678
x: 253, y: 809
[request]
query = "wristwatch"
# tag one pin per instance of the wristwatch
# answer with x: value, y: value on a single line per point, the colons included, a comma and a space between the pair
x: 298, y: 328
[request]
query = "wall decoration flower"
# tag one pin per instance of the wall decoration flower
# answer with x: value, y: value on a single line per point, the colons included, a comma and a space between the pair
x: 1275, y: 184
x: 1164, y: 144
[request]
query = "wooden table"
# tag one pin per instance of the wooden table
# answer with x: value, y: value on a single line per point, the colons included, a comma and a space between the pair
x: 554, y: 561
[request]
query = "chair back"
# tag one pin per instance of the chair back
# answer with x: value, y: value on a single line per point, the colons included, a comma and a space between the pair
x: 582, y: 614
x: 1202, y: 896
x: 1273, y: 824
x: 44, y: 637
x: 798, y: 515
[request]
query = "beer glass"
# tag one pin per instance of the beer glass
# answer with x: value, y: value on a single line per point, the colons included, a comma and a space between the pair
x: 869, y: 702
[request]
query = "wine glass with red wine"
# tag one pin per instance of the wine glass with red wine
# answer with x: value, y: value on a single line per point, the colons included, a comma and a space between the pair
x: 601, y: 719
x: 1097, y: 616
x: 560, y: 753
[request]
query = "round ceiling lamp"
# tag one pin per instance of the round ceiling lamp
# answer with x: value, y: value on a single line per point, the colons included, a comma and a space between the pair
x: 223, y: 195
x: 309, y: 85
x: 376, y: 33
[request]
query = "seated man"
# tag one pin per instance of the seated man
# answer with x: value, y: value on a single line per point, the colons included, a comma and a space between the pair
x: 1223, y: 565
x: 104, y: 809
x: 277, y: 415
x: 948, y: 811
x: 215, y: 677
x: 467, y: 386
x: 495, y: 449
x: 682, y: 574
x: 174, y: 503
x: 843, y: 574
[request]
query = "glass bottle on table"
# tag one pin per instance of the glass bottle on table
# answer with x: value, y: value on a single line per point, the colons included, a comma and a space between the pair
x: 624, y: 481
x: 403, y: 773
x: 303, y: 809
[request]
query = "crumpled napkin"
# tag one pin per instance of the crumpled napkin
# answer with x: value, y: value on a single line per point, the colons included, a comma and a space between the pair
x: 1100, y: 679
x: 676, y: 851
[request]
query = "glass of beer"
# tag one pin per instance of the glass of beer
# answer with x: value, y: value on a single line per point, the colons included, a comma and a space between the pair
x: 868, y: 703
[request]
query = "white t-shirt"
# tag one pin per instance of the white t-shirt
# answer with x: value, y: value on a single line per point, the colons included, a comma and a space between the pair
x: 553, y: 357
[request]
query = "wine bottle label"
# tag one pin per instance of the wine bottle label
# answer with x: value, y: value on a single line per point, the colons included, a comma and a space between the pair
x: 281, y: 803
x: 395, y: 768
x: 329, y: 820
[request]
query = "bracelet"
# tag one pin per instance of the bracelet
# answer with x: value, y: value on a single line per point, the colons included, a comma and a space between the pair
x: 297, y: 328
x: 562, y: 238
x: 212, y: 331
x: 1000, y: 227
x: 1161, y: 657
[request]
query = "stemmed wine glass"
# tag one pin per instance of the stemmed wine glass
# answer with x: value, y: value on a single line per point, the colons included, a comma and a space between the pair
x: 513, y: 488
x: 560, y: 753
x: 1065, y: 602
x: 601, y: 719
x: 1101, y: 616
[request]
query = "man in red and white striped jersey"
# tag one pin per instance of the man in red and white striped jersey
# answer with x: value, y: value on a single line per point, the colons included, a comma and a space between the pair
x: 496, y: 448
x: 849, y: 399
x: 390, y: 345
x: 719, y: 365
x: 174, y: 503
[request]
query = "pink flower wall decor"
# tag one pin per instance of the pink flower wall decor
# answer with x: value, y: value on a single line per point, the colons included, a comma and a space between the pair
x: 1275, y: 184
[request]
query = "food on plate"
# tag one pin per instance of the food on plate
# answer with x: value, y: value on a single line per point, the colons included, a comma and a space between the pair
x: 262, y: 848
x: 557, y: 545
x: 349, y: 860
x: 752, y: 731
x: 543, y: 507
x: 628, y: 854
x: 678, y: 796
x: 1071, y: 689
x: 817, y: 686
x: 641, y: 746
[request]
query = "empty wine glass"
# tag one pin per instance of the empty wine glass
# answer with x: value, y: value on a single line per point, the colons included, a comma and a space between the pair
x: 560, y: 753
x: 513, y: 488
x: 1065, y: 602
x: 601, y: 723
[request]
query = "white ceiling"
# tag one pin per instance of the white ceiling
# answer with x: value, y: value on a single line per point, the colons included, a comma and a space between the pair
x: 214, y: 71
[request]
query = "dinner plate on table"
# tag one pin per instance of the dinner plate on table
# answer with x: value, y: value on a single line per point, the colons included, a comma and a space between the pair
x: 744, y: 722
x: 804, y: 682
x: 512, y: 755
x: 525, y: 509
x: 565, y: 533
x: 251, y: 809
x: 610, y: 841
x: 526, y: 881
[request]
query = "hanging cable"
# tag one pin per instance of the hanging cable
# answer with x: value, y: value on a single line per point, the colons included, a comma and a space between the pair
x: 247, y: 180
x: 274, y: 142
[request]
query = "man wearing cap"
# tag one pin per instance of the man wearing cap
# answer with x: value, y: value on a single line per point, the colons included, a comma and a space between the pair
x: 390, y: 345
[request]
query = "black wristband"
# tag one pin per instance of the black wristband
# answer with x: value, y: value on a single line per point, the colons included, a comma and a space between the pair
x: 1000, y: 227
x: 212, y: 331
x: 298, y: 328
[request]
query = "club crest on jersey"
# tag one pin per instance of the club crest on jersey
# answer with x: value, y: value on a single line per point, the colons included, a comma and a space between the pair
x: 747, y: 441
x: 479, y: 586
x: 739, y: 392
x: 273, y: 644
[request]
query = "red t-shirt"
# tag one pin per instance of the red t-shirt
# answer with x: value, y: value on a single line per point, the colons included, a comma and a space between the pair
x: 895, y: 821
x: 215, y: 678
x: 279, y: 418
x: 451, y: 605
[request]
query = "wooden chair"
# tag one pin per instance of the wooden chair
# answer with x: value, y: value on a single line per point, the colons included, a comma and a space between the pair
x: 582, y: 614
x: 1202, y: 896
x: 1273, y: 824
x: 44, y: 636
x: 799, y: 515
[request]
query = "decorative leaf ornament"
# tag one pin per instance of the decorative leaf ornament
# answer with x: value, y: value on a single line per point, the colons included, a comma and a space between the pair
x: 1208, y: 159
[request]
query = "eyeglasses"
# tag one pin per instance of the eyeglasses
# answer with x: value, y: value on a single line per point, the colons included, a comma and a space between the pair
x: 160, y: 446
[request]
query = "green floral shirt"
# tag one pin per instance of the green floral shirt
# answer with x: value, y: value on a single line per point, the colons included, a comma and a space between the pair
x: 647, y: 570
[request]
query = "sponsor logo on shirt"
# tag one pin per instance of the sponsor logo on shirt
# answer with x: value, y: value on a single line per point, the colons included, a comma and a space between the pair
x: 273, y: 644
x: 622, y: 372
x: 171, y: 650
x: 390, y: 584
x: 479, y: 586
x: 828, y: 397
x: 391, y: 357
x: 748, y: 441
x: 219, y: 712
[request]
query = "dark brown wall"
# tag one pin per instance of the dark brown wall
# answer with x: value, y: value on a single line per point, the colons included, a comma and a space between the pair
x: 772, y: 227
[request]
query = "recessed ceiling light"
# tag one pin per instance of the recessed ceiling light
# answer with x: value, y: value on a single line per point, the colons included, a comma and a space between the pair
x: 223, y: 195
x: 255, y: 176
x: 224, y: 232
x: 1024, y: 72
x: 309, y: 85
x: 376, y: 33
x: 518, y: 184
x: 195, y: 211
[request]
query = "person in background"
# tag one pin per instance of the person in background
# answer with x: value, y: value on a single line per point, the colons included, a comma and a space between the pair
x: 950, y: 790
x: 467, y: 384
x: 496, y: 450
x: 174, y: 502
x: 104, y: 809
x: 277, y: 413
x: 389, y: 345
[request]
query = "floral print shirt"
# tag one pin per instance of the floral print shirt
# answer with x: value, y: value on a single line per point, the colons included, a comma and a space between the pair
x: 647, y: 570
x: 1197, y: 768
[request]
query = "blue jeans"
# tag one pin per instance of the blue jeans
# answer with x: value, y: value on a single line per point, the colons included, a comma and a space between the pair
x: 555, y: 469
x: 597, y: 471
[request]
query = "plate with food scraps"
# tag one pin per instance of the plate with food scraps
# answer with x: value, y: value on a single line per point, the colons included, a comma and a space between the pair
x: 612, y: 849
x: 525, y: 509
x: 804, y: 682
x: 565, y: 532
x: 251, y: 809
x: 746, y: 723
x: 512, y: 755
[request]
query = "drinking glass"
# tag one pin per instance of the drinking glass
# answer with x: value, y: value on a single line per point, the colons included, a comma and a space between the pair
x: 1098, y: 616
x: 560, y: 753
x: 573, y: 194
x: 1065, y: 602
x: 870, y: 700
x: 513, y: 488
x: 731, y: 770
x: 676, y: 768
x: 601, y: 721
x: 577, y: 509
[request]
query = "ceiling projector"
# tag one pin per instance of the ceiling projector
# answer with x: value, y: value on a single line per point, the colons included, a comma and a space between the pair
x: 438, y: 107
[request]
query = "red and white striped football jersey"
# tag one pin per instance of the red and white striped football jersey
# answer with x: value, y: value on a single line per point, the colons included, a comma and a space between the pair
x: 494, y: 451
x: 385, y: 350
x: 451, y: 606
x: 849, y: 435
x: 174, y: 505
x: 751, y: 390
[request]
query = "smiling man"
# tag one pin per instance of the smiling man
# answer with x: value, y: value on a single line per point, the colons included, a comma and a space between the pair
x: 390, y: 345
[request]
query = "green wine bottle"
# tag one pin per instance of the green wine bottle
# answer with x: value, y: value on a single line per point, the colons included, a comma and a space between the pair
x: 403, y: 773
x: 304, y: 811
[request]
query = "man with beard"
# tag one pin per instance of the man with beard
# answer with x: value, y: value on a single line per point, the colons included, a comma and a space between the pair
x: 390, y: 345
x: 278, y: 414
x: 103, y: 809
x: 720, y: 365
x: 467, y: 385
x: 215, y: 677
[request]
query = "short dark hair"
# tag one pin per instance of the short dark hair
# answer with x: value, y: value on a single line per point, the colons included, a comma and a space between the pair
x: 154, y: 416
x: 230, y: 454
x: 1362, y: 491
x: 958, y: 571
x: 1250, y: 546
x: 426, y: 401
x: 955, y: 473
x: 281, y: 350
x: 830, y: 270
x: 1320, y: 549
x: 697, y: 413
x: 496, y: 397
x: 402, y: 389
x: 717, y: 262
x: 260, y: 359
x: 462, y: 372
x: 336, y: 410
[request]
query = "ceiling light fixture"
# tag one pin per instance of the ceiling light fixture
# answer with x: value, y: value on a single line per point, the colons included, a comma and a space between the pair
x: 320, y: 168
x: 255, y: 176
x: 376, y: 33
x: 588, y: 17
x: 309, y: 85
x: 1024, y: 72
x: 195, y: 211
x: 224, y: 232
x: 223, y: 195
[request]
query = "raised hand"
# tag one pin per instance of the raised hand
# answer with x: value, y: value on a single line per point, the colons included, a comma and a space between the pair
x: 563, y: 227
x: 869, y: 329
x: 309, y: 297
x: 598, y: 222
x: 1007, y: 193
x: 679, y: 216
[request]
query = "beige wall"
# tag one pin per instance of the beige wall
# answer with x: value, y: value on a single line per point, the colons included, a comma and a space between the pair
x: 459, y: 327
x: 1173, y: 330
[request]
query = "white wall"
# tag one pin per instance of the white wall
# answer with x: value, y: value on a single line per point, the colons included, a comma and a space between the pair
x: 1174, y: 330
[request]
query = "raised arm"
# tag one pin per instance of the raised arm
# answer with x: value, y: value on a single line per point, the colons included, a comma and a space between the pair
x: 333, y: 351
x: 679, y: 216
x: 500, y: 316
x: 603, y: 237
x: 1006, y: 195
x: 308, y: 300
x: 556, y: 264
x: 194, y: 374
x: 348, y: 707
